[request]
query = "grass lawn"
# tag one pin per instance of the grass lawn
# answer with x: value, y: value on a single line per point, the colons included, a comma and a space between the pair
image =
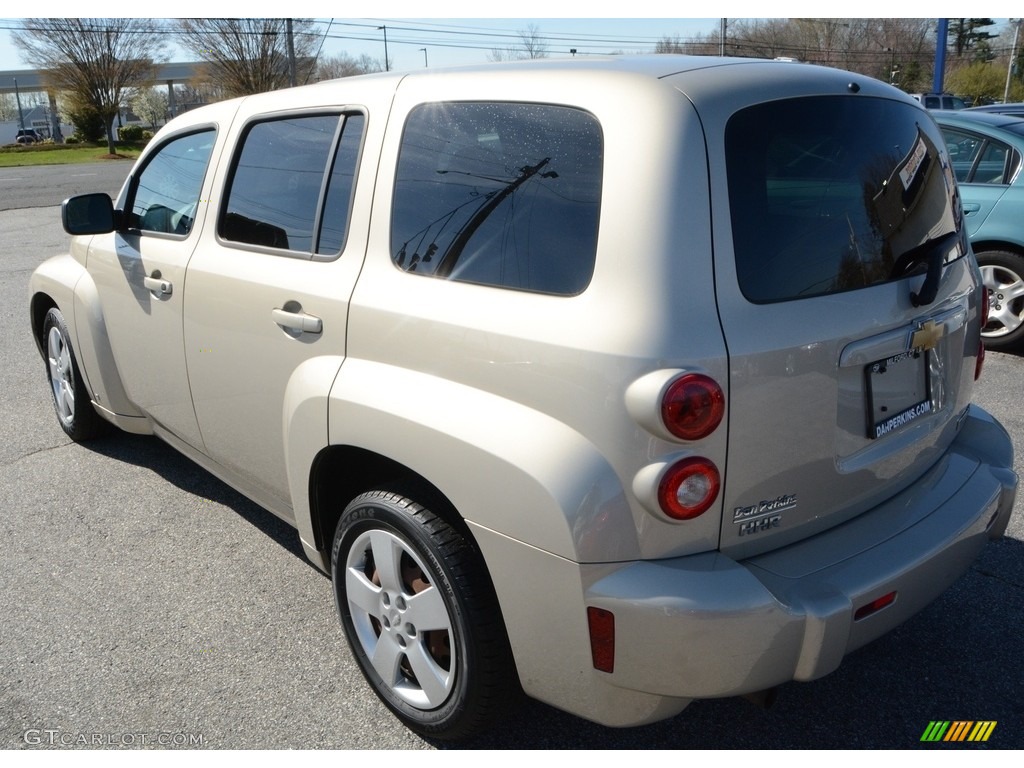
x: 54, y: 154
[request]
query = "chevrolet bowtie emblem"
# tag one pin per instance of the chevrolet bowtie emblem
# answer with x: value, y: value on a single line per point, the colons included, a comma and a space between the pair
x: 928, y: 335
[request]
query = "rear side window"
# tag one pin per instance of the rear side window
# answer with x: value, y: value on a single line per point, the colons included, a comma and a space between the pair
x: 832, y: 194
x: 977, y: 160
x: 499, y: 194
x: 278, y: 197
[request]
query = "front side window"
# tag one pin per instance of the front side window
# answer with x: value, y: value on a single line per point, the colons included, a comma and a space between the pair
x: 832, y: 194
x: 499, y: 194
x: 277, y: 196
x: 165, y: 194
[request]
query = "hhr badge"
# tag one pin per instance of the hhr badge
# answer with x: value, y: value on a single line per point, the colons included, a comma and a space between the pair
x: 763, y: 516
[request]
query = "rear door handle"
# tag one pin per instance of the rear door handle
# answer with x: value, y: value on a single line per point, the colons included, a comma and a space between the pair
x: 972, y: 207
x: 157, y: 284
x: 297, y: 321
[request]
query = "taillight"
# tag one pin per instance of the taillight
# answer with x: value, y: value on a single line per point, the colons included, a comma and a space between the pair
x: 693, y: 406
x: 980, y: 361
x: 689, y: 488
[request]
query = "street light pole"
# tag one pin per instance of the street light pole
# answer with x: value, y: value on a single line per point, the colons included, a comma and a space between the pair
x: 387, y: 66
x: 424, y: 57
x: 1013, y: 56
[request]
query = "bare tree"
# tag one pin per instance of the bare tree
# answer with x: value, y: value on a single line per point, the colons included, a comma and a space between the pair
x: 93, y: 60
x: 246, y: 56
x: 531, y: 46
x: 344, y: 65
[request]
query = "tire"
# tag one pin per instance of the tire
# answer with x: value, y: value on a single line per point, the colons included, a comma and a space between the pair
x: 1003, y: 274
x: 71, y: 400
x: 420, y: 615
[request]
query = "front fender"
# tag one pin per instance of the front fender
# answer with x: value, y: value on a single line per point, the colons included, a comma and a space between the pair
x: 65, y: 282
x: 503, y: 465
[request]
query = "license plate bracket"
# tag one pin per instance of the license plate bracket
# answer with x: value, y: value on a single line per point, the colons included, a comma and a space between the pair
x: 898, y: 391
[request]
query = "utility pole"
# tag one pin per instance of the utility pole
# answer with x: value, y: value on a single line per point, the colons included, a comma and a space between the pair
x: 721, y: 37
x: 17, y: 97
x: 387, y: 64
x: 291, y: 53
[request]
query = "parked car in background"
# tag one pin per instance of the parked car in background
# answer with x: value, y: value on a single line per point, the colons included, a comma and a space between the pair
x: 940, y: 100
x: 986, y: 151
x: 628, y: 380
x: 27, y: 136
x: 1016, y: 109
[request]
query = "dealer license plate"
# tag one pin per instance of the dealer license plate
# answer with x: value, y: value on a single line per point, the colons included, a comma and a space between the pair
x: 898, y: 392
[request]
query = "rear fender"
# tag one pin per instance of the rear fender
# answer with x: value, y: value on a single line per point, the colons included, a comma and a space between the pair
x: 502, y: 465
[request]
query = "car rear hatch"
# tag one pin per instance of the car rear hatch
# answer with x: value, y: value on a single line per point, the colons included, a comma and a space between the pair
x: 849, y: 310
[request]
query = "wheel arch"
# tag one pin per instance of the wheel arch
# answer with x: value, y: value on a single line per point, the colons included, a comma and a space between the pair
x: 39, y: 304
x: 500, y: 463
x: 981, y: 246
x: 340, y: 473
x: 63, y: 282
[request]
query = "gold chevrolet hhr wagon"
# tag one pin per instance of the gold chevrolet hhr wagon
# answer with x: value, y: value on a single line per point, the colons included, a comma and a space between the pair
x: 628, y: 381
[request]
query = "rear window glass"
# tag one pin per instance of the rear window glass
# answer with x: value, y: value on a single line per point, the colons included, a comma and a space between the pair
x: 832, y: 194
x: 499, y: 194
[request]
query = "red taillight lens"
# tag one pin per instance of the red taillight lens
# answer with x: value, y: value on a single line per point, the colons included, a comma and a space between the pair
x: 689, y: 488
x: 602, y: 638
x: 693, y: 406
x: 874, y: 606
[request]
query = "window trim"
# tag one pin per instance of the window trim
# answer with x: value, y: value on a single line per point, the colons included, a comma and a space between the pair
x: 344, y: 112
x: 127, y: 200
x: 500, y: 102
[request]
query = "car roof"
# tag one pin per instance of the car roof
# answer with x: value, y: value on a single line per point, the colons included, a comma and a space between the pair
x: 1007, y: 127
x: 1012, y: 108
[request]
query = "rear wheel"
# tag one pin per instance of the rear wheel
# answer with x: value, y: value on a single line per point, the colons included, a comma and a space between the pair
x: 1003, y: 274
x: 420, y: 615
x: 71, y: 401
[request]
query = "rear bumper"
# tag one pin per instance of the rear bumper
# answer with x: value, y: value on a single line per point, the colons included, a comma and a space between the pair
x: 707, y: 626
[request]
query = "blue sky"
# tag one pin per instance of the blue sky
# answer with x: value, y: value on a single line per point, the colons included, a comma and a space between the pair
x: 451, y: 40
x: 456, y: 34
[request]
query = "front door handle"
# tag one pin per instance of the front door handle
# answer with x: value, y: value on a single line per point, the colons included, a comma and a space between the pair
x: 297, y: 321
x: 970, y: 208
x: 157, y: 284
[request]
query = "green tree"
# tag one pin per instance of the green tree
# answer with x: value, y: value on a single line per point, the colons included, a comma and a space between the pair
x: 981, y: 81
x: 150, y: 104
x: 92, y: 60
x: 969, y: 35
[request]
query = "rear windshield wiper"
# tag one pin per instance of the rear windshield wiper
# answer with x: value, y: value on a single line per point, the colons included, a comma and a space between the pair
x: 934, y: 253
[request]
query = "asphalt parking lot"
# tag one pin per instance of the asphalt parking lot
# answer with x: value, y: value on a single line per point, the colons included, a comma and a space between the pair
x: 146, y: 604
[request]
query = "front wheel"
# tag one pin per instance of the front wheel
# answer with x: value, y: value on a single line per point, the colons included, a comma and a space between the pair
x: 71, y: 401
x: 420, y: 615
x: 1003, y: 275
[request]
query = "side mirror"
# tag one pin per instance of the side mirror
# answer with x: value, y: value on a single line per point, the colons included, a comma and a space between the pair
x: 91, y: 214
